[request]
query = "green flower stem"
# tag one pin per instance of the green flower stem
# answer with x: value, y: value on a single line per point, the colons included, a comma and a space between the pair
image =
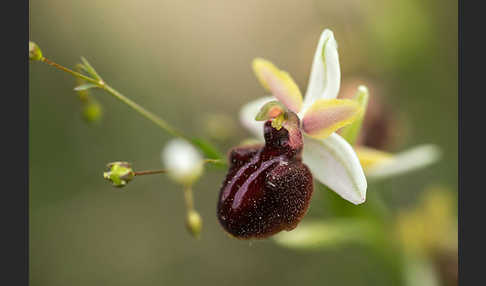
x: 163, y: 171
x: 142, y: 111
x: 193, y: 219
x: 73, y: 73
x: 188, y: 198
x: 149, y: 172
x: 204, y: 146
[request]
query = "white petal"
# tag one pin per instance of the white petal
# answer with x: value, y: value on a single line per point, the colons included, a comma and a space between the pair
x: 248, y: 113
x: 325, y: 77
x: 334, y: 163
x: 183, y: 162
x: 406, y: 161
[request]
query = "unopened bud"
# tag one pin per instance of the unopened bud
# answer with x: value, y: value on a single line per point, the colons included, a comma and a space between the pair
x: 194, y: 223
x: 91, y: 111
x: 119, y: 173
x: 35, y: 54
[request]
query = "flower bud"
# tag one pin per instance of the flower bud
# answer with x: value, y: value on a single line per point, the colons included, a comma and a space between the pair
x: 119, y: 173
x: 194, y: 223
x: 183, y: 162
x: 91, y: 111
x: 35, y: 54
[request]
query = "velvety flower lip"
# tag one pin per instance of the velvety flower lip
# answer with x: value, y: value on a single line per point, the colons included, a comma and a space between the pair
x: 331, y: 159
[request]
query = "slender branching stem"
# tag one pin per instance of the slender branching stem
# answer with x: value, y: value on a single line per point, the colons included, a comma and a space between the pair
x: 142, y: 111
x: 73, y: 73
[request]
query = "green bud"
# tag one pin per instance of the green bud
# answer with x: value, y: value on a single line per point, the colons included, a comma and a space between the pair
x: 119, y: 173
x: 91, y: 111
x: 35, y: 54
x: 194, y: 223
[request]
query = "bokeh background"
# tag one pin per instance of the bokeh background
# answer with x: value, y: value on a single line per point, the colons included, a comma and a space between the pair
x: 190, y: 60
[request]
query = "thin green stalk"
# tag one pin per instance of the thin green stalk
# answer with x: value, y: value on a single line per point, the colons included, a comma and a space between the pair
x: 142, y: 111
x: 149, y: 172
x: 188, y: 199
x: 202, y: 145
x: 162, y: 171
x: 65, y: 69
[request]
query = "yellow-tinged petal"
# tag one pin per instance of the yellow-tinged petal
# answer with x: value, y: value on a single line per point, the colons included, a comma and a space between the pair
x: 279, y: 83
x: 328, y: 115
x: 369, y: 157
x: 406, y: 161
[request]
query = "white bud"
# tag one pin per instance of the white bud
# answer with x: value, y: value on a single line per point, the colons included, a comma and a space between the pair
x: 183, y: 162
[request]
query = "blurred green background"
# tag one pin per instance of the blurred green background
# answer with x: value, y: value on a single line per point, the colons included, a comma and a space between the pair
x: 186, y: 60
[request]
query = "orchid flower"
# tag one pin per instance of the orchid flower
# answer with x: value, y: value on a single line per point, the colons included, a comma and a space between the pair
x: 331, y: 159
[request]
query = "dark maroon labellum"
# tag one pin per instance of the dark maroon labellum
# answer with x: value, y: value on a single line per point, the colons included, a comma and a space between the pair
x: 267, y: 188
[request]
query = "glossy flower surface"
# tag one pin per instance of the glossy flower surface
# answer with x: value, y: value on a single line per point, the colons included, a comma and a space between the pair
x: 267, y: 188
